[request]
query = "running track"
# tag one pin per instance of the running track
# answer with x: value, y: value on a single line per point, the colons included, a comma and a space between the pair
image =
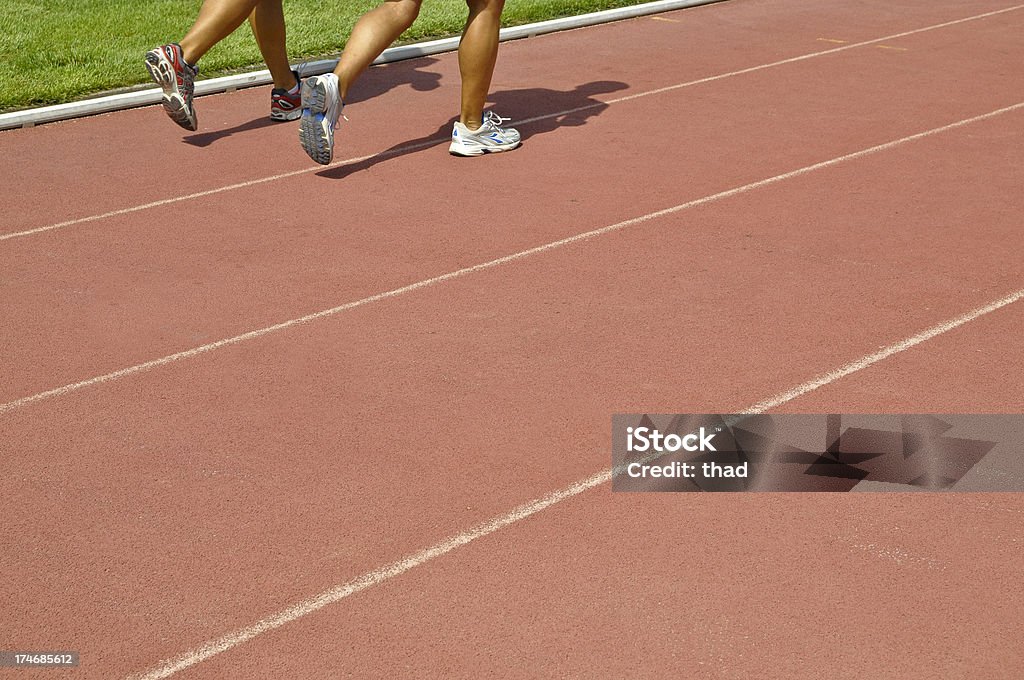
x: 263, y: 419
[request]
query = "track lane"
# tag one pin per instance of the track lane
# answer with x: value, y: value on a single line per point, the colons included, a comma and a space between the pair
x: 137, y: 290
x: 186, y: 502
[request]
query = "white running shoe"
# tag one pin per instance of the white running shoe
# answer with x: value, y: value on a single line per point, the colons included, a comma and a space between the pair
x: 488, y: 138
x: 321, y: 106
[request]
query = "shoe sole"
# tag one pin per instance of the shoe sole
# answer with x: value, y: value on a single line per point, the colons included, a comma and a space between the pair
x: 294, y: 114
x: 316, y: 133
x: 463, y: 152
x: 162, y: 72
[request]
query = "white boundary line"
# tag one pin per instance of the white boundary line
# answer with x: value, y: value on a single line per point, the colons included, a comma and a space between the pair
x: 313, y: 604
x: 425, y: 283
x: 527, y: 121
x: 149, y: 96
x: 884, y: 353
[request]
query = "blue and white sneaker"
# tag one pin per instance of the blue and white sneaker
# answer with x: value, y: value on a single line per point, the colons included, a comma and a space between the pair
x: 321, y: 106
x: 488, y: 138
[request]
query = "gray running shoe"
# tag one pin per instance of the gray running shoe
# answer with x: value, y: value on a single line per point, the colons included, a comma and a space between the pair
x: 168, y: 69
x: 321, y: 106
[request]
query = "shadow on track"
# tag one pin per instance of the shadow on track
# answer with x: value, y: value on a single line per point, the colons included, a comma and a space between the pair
x: 535, y: 110
x: 380, y: 79
x: 208, y: 138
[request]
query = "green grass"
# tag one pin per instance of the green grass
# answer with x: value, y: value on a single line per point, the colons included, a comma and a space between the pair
x: 54, y: 51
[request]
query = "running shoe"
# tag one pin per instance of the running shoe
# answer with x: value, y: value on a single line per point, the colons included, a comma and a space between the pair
x: 168, y: 69
x: 286, y: 104
x: 488, y: 138
x: 321, y: 106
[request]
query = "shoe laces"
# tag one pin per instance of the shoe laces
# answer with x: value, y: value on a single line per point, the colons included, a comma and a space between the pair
x: 493, y: 120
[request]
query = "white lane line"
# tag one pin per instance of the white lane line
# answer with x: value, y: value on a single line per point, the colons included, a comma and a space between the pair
x: 884, y: 353
x: 252, y: 335
x: 422, y: 145
x: 313, y: 604
x: 367, y: 580
x: 793, y: 60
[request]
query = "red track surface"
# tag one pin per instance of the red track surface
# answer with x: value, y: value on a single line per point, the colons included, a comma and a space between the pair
x: 150, y: 509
